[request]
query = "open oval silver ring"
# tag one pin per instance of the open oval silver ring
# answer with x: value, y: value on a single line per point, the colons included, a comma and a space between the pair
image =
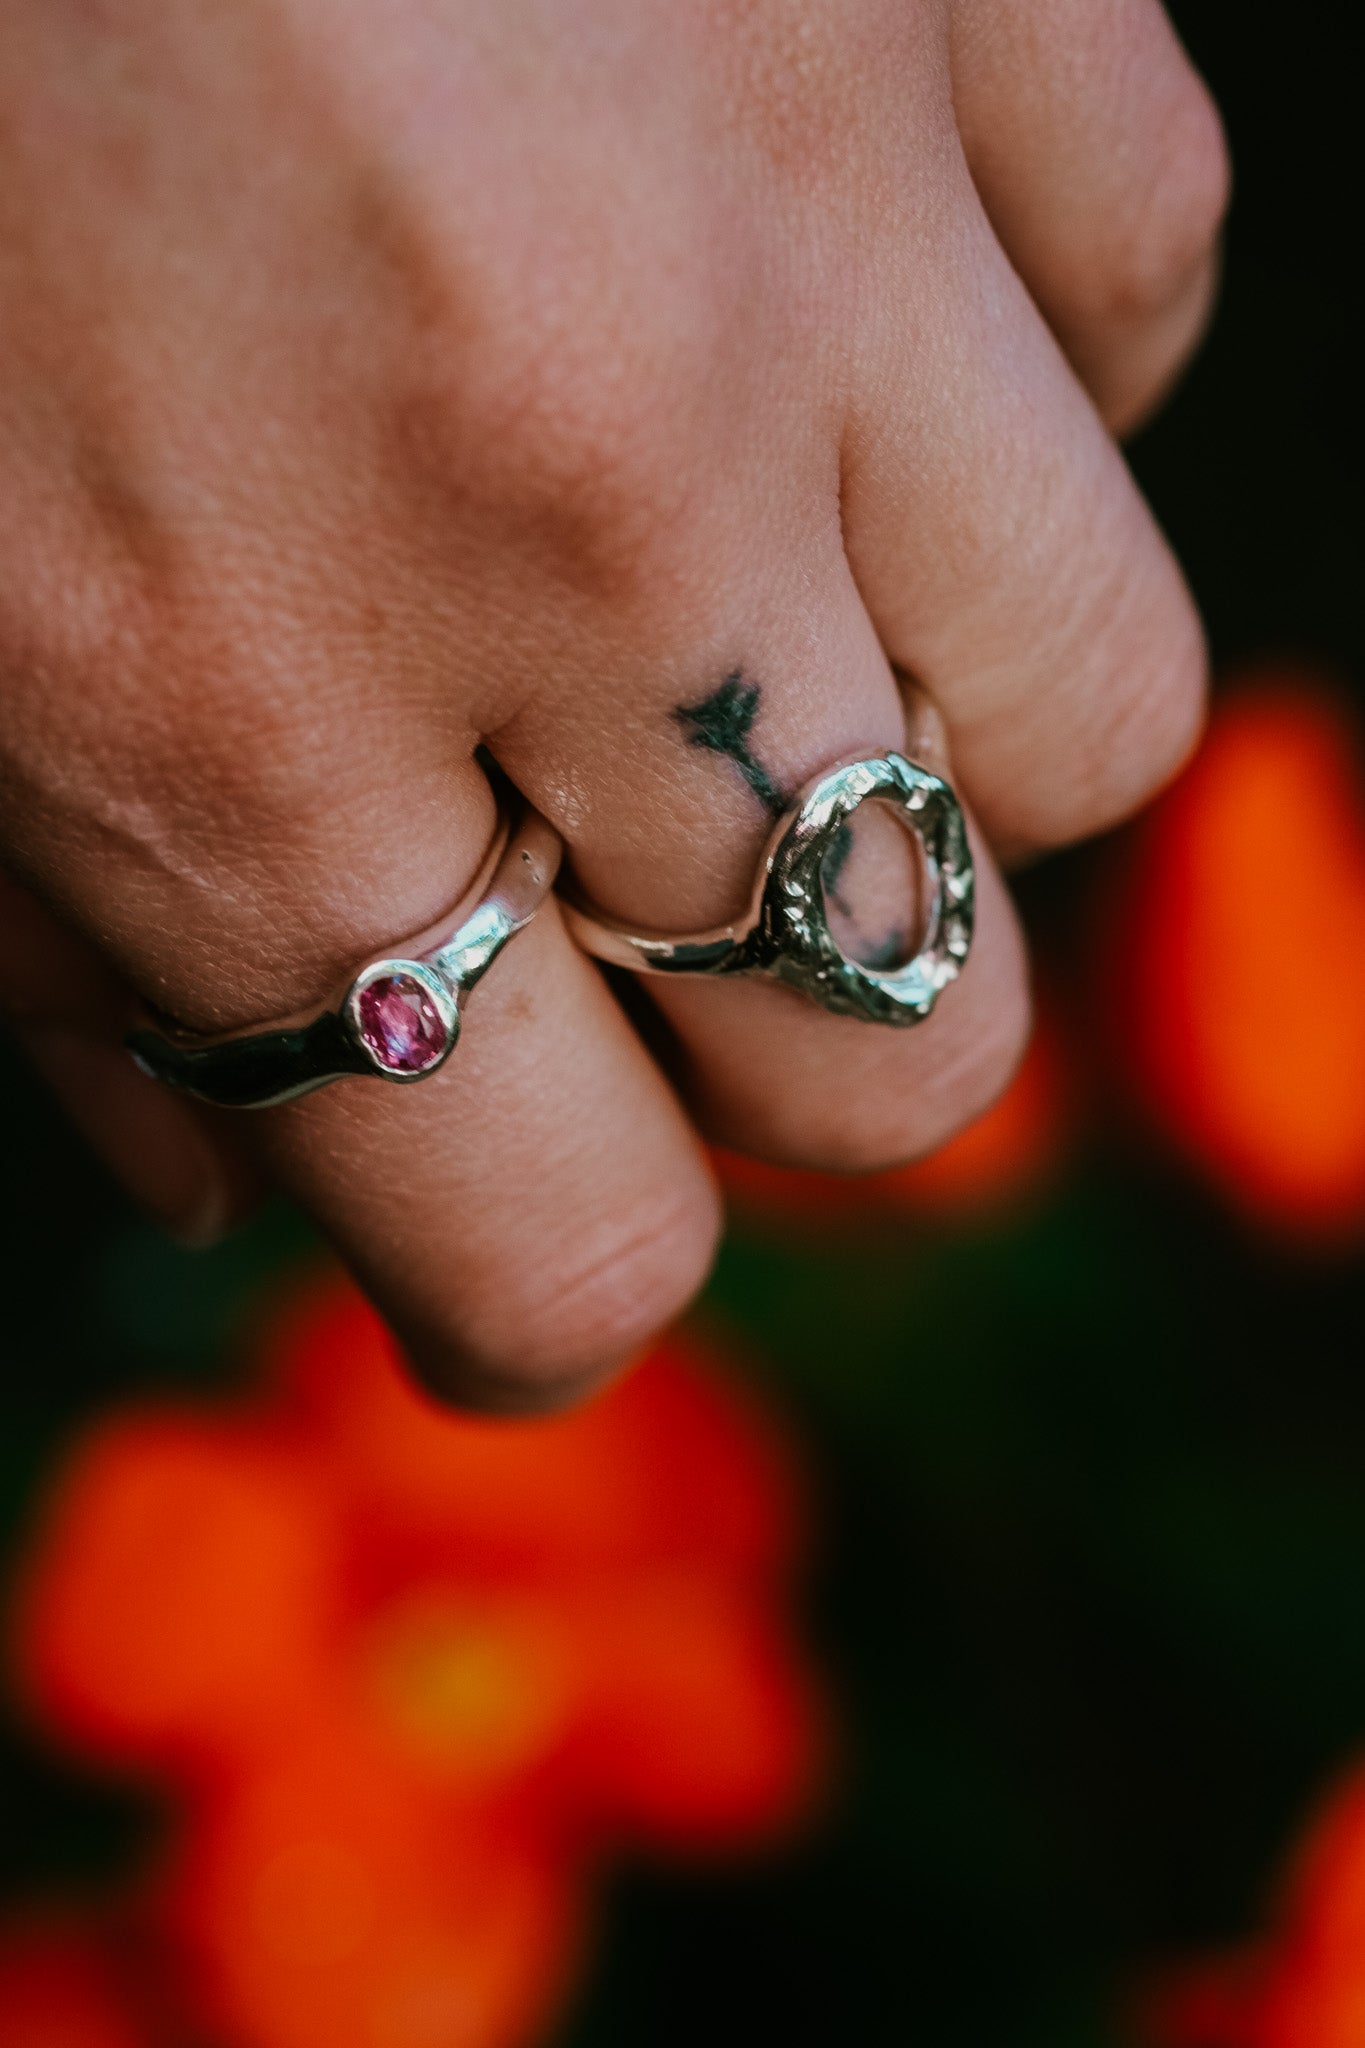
x: 397, y: 1019
x: 786, y: 935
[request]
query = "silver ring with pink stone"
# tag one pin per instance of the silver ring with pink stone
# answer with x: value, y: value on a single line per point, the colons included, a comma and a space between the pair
x: 398, y: 1018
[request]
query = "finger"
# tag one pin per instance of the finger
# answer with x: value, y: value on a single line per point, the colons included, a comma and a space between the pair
x: 1005, y: 555
x: 667, y: 835
x: 68, y: 1013
x: 532, y: 1214
x: 1100, y: 158
x: 771, y: 1075
x: 528, y: 1217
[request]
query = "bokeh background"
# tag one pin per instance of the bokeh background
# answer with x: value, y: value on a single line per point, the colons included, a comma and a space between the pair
x: 1021, y: 1647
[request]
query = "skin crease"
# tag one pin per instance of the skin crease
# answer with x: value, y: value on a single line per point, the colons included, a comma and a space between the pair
x: 644, y: 391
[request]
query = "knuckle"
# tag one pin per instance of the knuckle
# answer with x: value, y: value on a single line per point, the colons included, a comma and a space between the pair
x: 547, y: 1330
x: 572, y: 489
x: 1176, y: 210
x: 541, y: 432
x: 1134, y: 665
x: 1158, y: 726
x: 1149, y: 713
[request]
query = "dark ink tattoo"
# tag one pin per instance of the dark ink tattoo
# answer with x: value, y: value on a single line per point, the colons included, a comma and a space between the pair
x: 882, y: 954
x: 890, y: 954
x: 723, y: 722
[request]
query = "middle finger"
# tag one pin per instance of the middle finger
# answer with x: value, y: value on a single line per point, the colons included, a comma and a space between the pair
x: 666, y: 831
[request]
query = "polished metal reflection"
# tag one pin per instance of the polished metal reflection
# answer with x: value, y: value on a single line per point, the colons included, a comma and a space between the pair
x: 786, y: 935
x: 251, y: 1070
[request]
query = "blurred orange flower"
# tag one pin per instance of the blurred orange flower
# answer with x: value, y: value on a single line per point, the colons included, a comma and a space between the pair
x: 1002, y: 1159
x: 1303, y: 1984
x: 409, y: 1673
x: 1239, y: 957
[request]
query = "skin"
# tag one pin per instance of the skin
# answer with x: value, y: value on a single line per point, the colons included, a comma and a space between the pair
x: 723, y: 722
x: 642, y: 391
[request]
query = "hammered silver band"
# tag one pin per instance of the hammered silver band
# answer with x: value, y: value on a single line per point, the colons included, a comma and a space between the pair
x: 785, y: 934
x: 399, y: 1016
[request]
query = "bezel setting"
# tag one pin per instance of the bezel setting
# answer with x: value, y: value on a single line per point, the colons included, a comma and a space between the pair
x: 417, y: 975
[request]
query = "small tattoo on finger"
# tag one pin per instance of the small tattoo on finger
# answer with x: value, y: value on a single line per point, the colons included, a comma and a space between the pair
x: 722, y: 722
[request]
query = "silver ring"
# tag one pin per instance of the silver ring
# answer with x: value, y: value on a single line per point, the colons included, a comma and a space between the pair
x: 786, y: 934
x: 398, y: 1018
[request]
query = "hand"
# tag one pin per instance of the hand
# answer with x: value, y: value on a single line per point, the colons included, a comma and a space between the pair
x: 638, y: 388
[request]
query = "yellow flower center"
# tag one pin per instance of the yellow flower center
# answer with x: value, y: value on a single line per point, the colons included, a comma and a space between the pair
x: 478, y: 1691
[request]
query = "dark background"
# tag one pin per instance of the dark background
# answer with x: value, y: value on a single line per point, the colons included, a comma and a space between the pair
x: 1093, y: 1526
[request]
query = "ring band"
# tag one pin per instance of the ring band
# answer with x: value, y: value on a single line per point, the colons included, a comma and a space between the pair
x: 786, y: 934
x: 398, y: 1019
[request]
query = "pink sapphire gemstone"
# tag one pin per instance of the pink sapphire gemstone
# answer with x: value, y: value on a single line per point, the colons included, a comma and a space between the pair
x: 401, y: 1024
